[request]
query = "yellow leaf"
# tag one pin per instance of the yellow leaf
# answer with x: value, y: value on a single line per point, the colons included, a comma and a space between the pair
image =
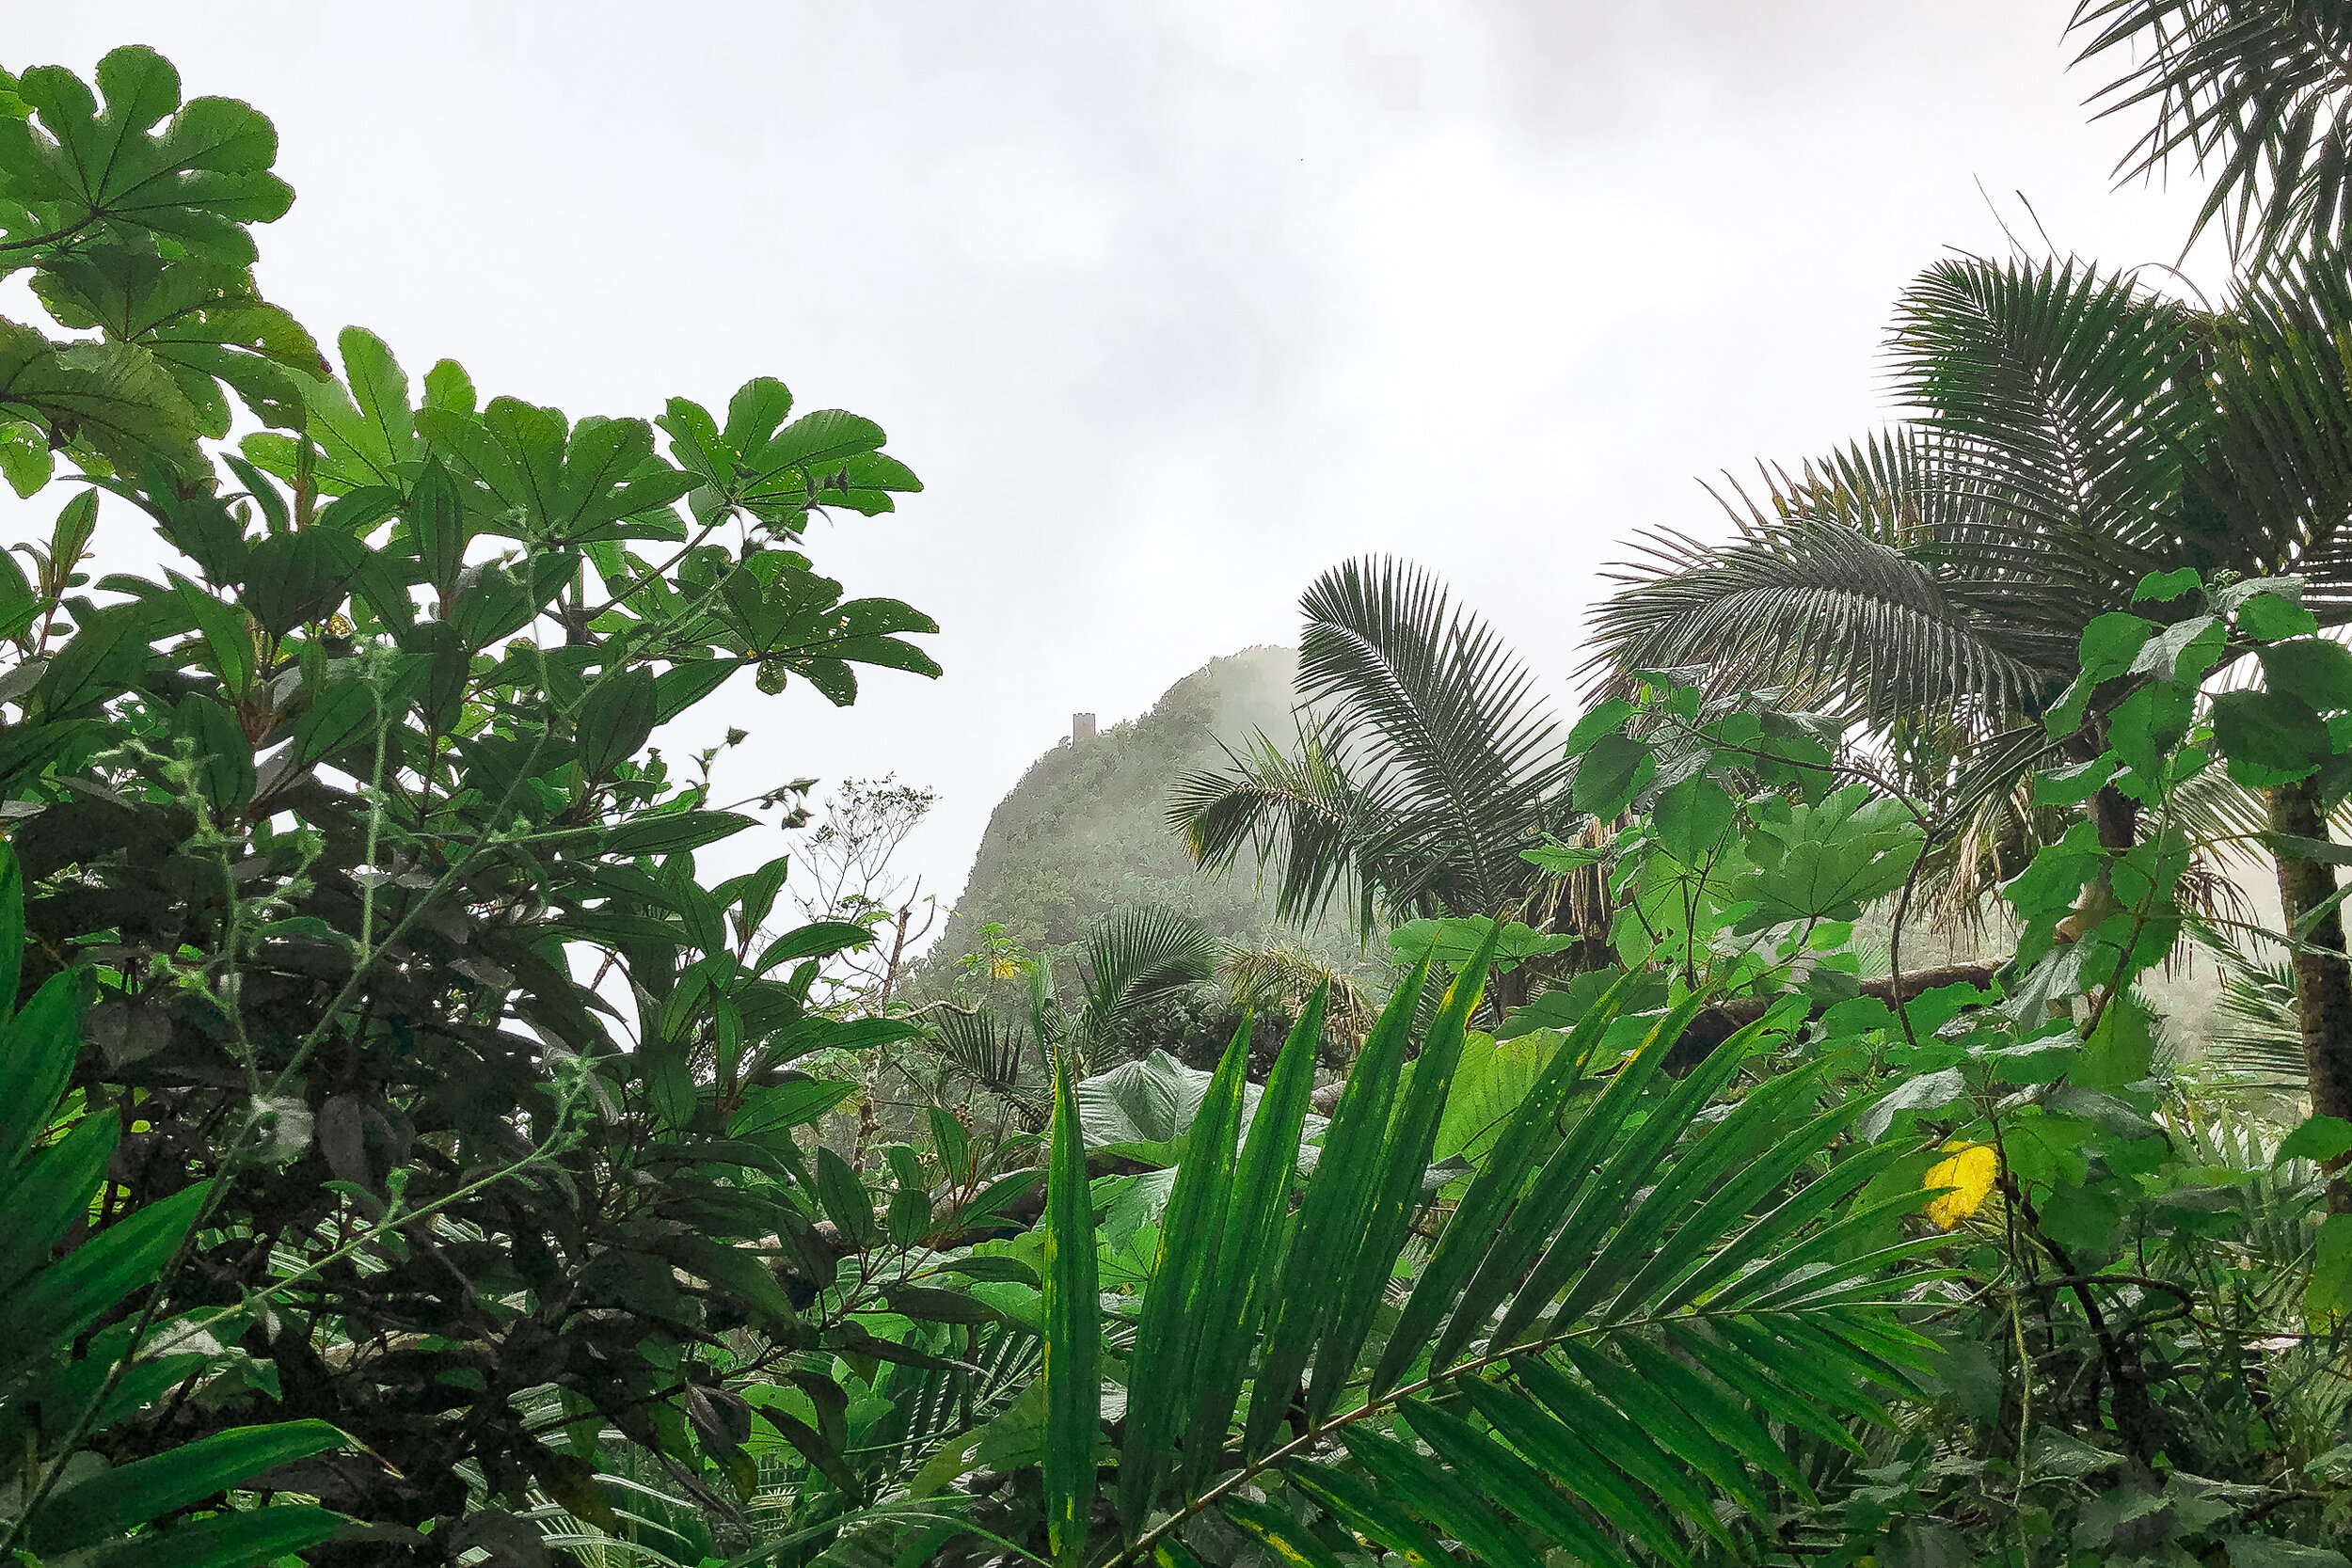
x: 1970, y: 1174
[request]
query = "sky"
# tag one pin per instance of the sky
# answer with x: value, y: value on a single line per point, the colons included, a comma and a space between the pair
x: 1171, y: 303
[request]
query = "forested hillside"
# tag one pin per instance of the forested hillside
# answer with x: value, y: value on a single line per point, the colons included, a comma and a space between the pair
x: 1085, y: 829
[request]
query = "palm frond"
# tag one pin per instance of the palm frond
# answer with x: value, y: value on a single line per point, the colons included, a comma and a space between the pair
x: 1296, y: 810
x: 1287, y: 976
x: 1439, y: 716
x: 2256, y: 1039
x: 1597, y: 1343
x: 1950, y: 564
x: 1823, y: 610
x: 2273, y: 471
x: 2256, y: 91
x: 2059, y: 394
x: 1137, y: 957
x: 975, y: 1044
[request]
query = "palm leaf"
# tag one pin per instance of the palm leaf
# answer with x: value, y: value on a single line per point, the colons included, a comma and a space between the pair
x: 1443, y: 714
x: 976, y: 1045
x: 1296, y: 807
x: 1135, y: 958
x: 1072, y: 1316
x: 1424, y: 762
x: 2253, y: 91
x: 1660, y: 1320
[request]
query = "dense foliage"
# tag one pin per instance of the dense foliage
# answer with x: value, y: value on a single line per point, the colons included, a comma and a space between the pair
x: 411, y: 1155
x: 336, y: 835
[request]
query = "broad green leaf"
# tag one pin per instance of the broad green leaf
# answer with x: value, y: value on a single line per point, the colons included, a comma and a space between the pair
x: 670, y: 834
x: 343, y: 715
x: 199, y: 181
x: 844, y: 1198
x: 1073, y: 1334
x: 2268, y: 617
x: 108, y: 651
x: 615, y: 719
x: 2329, y: 1288
x: 2268, y: 738
x: 2073, y: 785
x: 1603, y: 720
x: 2164, y: 587
x: 2182, y: 651
x: 109, y: 1504
x: 115, y: 399
x: 1614, y: 770
x: 818, y: 940
x: 1330, y: 1226
x: 2321, y: 1138
x: 2315, y: 669
x: 1164, y: 1375
x: 26, y: 459
x: 294, y: 579
x: 768, y: 1113
x: 741, y: 1274
x: 2120, y: 1050
x: 1456, y: 938
x: 1387, y: 1217
x: 38, y: 1047
x: 1690, y: 818
x: 1494, y: 1079
x: 2146, y: 725
x: 1250, y: 1250
x: 2111, y: 641
x: 2055, y: 878
x: 1826, y: 861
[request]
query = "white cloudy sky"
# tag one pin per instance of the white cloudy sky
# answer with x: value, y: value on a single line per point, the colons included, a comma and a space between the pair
x: 1171, y: 304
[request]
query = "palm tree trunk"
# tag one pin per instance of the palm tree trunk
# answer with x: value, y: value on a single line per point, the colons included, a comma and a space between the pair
x: 2323, y: 978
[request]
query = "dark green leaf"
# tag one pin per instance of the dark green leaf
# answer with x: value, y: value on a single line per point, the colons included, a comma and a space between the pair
x: 38, y: 1049
x: 2317, y: 668
x: 2269, y: 737
x: 615, y: 718
x: 109, y: 1504
x: 1613, y: 771
x: 1603, y: 720
x: 819, y: 940
x: 2319, y: 1139
x: 673, y: 832
x: 1073, y: 1334
x: 844, y: 1198
x: 224, y: 1540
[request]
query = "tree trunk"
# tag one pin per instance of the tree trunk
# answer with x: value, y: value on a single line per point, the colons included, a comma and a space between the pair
x: 2323, y: 979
